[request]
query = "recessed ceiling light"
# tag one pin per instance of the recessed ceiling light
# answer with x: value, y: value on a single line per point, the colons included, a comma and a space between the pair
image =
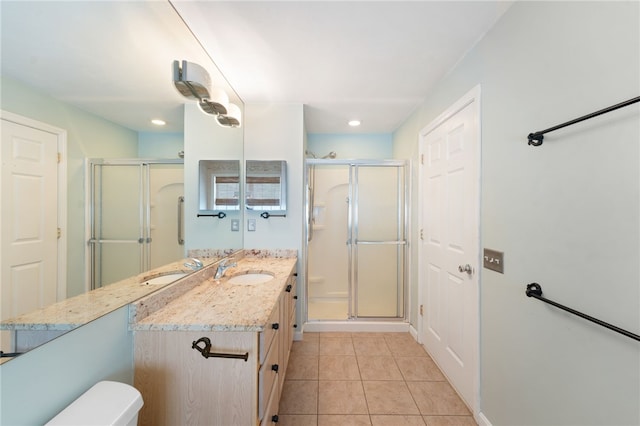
x: 158, y: 122
x: 354, y: 123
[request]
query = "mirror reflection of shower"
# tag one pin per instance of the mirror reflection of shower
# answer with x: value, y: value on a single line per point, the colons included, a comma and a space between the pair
x: 310, y: 189
x: 330, y: 155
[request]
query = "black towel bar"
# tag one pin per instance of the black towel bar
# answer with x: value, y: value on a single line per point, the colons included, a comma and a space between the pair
x: 220, y: 215
x: 536, y: 138
x: 535, y: 290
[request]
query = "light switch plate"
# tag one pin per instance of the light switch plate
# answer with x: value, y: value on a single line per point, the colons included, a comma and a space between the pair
x: 235, y: 225
x: 251, y: 225
x: 493, y: 260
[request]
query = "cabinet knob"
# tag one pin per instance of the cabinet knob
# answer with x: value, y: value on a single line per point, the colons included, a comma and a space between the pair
x: 275, y: 367
x: 274, y: 419
x: 295, y: 325
x: 295, y: 297
x: 275, y: 326
x: 288, y: 290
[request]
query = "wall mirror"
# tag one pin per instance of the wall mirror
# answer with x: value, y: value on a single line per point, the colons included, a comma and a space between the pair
x: 219, y: 185
x: 110, y: 65
x: 266, y: 186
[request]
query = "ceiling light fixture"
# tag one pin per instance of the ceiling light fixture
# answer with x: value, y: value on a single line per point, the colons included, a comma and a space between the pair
x: 354, y: 123
x: 158, y: 122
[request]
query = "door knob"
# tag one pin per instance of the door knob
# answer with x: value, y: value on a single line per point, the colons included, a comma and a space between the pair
x: 465, y: 268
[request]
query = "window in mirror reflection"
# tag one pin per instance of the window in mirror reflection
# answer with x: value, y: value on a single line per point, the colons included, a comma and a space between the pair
x: 219, y: 185
x: 266, y: 185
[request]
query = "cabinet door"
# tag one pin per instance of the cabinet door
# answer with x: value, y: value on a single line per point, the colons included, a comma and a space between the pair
x: 181, y: 387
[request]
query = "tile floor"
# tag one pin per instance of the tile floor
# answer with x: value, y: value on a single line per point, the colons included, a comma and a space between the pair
x: 379, y: 379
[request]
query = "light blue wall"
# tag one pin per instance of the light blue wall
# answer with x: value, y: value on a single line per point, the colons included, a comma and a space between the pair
x: 565, y: 213
x: 88, y: 136
x: 160, y: 145
x: 39, y: 384
x: 350, y: 146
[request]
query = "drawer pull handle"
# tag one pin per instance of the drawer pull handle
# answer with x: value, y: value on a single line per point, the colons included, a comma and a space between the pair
x: 206, y: 350
x: 274, y: 418
x: 275, y: 367
x: 275, y: 326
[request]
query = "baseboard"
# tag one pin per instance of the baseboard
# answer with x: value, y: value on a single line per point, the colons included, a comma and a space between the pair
x: 297, y: 335
x: 482, y: 420
x: 413, y: 332
x: 357, y: 326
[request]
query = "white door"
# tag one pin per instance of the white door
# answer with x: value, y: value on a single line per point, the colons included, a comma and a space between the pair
x: 449, y: 249
x: 28, y: 219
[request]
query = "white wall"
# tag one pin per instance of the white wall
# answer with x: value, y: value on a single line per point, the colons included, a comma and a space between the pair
x: 160, y: 145
x: 88, y: 136
x: 377, y: 146
x: 276, y: 132
x: 565, y: 213
x: 205, y: 139
x: 39, y: 384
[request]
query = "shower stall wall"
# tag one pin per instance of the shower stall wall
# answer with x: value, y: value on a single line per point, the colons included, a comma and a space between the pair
x: 356, y: 239
x: 135, y: 217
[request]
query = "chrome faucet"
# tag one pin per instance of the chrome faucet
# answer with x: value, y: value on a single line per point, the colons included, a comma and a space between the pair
x: 195, y: 265
x: 222, y: 268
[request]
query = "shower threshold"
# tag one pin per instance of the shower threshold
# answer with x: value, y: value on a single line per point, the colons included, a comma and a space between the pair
x: 358, y: 325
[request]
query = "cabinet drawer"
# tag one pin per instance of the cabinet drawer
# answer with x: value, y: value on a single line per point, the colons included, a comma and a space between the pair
x: 294, y: 294
x: 271, y: 328
x: 266, y: 377
x: 271, y: 413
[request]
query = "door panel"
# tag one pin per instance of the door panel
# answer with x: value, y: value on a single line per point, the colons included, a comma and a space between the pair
x: 165, y: 188
x: 377, y: 281
x: 28, y: 219
x: 450, y: 219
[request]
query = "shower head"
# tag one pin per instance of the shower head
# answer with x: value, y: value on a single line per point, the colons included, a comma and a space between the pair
x: 332, y: 154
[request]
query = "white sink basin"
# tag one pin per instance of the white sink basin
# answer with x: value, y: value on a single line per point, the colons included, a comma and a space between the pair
x: 165, y: 279
x: 250, y: 278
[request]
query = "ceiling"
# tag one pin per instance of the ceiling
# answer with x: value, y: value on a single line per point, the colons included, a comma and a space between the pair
x: 371, y: 60
x: 111, y: 58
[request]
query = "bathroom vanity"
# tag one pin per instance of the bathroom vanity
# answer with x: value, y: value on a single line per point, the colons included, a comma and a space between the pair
x: 217, y: 353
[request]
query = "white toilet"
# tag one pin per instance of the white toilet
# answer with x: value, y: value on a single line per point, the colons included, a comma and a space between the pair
x: 105, y: 404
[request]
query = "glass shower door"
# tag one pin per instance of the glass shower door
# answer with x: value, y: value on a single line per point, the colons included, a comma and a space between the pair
x: 118, y: 233
x: 357, y: 242
x: 136, y: 217
x: 378, y: 238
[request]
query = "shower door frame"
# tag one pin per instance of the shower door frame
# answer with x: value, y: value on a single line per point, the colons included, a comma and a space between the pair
x: 353, y: 165
x: 144, y: 210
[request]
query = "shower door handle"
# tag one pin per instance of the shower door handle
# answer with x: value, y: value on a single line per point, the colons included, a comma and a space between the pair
x: 180, y: 219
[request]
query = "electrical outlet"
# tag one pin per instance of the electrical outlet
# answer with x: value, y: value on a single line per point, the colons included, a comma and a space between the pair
x: 251, y: 225
x: 494, y: 260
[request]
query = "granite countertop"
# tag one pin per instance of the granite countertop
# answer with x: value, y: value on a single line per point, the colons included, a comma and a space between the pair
x: 79, y: 310
x: 217, y: 305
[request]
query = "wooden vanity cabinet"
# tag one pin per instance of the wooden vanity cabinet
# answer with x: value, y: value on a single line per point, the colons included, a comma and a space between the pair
x: 180, y: 386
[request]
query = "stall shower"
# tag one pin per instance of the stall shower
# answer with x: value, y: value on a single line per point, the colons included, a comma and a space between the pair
x: 135, y: 217
x: 356, y: 239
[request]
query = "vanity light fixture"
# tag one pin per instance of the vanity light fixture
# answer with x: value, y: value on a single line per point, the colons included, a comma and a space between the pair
x: 354, y: 123
x: 215, y: 104
x: 232, y: 118
x: 191, y: 80
x: 194, y: 83
x: 158, y: 122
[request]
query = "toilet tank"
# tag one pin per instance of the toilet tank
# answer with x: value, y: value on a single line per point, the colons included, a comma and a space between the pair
x: 105, y: 404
